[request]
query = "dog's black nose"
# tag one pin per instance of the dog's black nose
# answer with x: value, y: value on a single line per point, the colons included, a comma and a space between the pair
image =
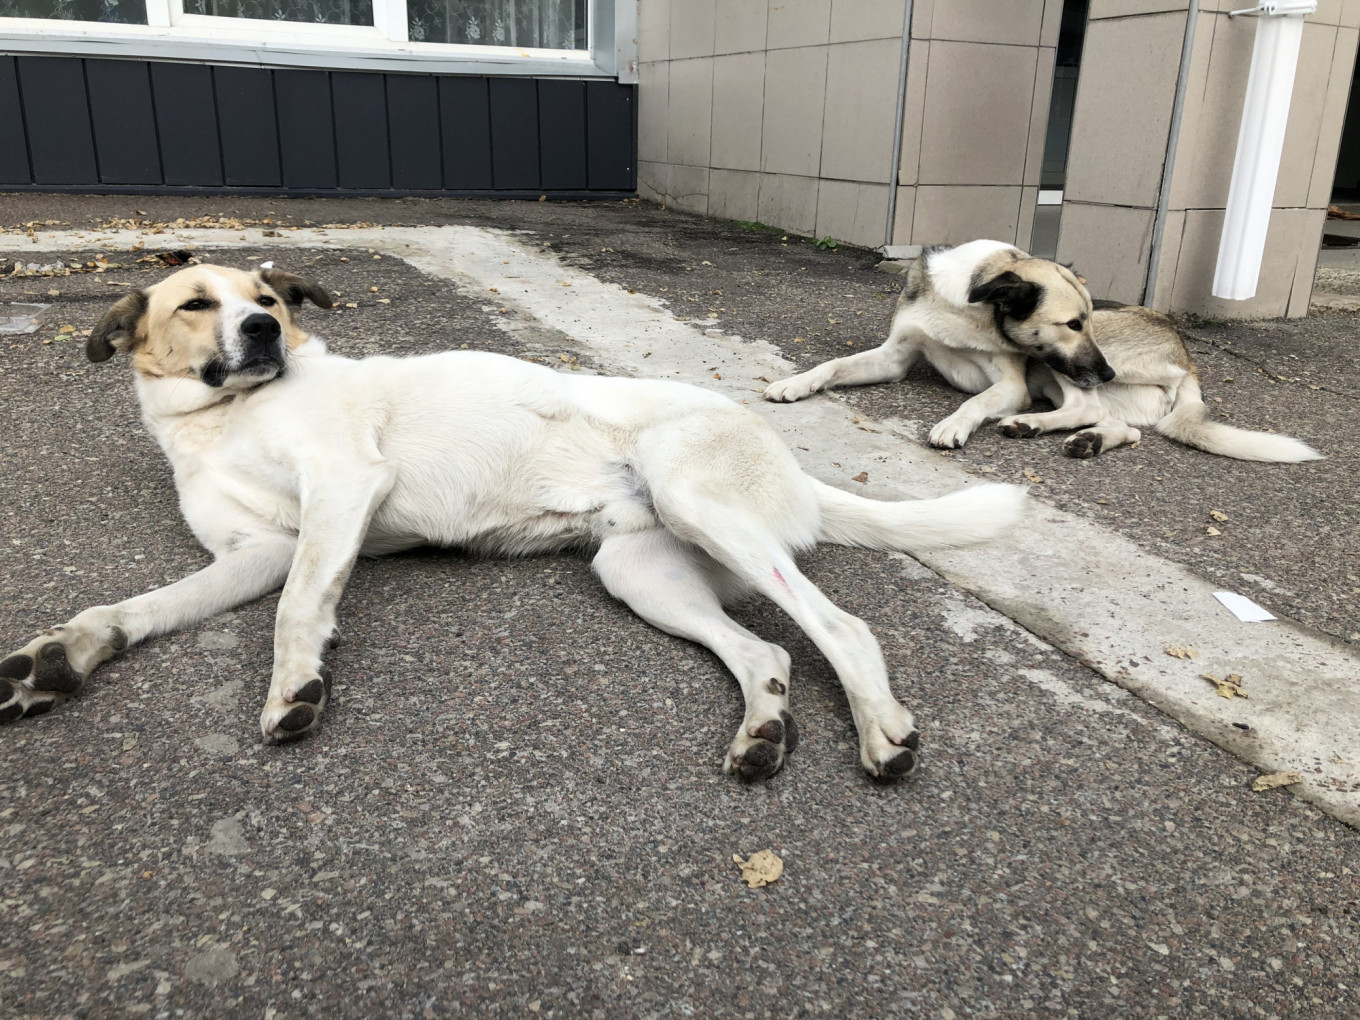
x: 1105, y: 372
x: 260, y: 328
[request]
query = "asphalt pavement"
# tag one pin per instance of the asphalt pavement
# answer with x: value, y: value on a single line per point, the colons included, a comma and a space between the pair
x: 515, y: 804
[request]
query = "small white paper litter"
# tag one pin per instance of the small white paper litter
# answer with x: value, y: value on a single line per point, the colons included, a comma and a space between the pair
x: 266, y: 265
x: 1242, y: 607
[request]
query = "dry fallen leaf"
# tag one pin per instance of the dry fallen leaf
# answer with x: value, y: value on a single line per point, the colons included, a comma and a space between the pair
x: 1229, y: 687
x: 1033, y: 476
x: 760, y: 869
x: 1182, y: 652
x: 1211, y: 530
x: 1276, y: 779
x: 862, y: 477
x: 1218, y: 515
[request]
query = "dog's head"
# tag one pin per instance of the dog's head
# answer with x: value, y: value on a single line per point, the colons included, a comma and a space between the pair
x: 1042, y: 309
x: 224, y: 327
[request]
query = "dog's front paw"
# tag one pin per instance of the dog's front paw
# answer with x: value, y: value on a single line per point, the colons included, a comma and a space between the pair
x: 889, y: 745
x: 796, y: 387
x: 53, y: 667
x: 295, y: 709
x: 759, y: 749
x: 1084, y: 445
x: 950, y: 434
x: 1016, y: 427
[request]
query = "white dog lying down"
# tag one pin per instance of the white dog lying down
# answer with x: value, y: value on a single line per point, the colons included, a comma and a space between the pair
x: 290, y: 462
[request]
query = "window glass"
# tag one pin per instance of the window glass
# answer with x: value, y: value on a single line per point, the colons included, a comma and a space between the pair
x: 537, y: 24
x: 312, y: 12
x: 127, y: 12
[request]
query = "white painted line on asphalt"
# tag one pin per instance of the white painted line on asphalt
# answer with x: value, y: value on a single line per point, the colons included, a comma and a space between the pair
x: 1085, y: 589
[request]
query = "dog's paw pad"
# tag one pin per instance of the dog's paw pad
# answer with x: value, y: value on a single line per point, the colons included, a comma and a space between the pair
x: 1084, y: 445
x: 758, y: 761
x: 16, y: 667
x: 758, y: 752
x: 899, y: 766
x: 311, y: 692
x: 52, y: 671
x: 790, y: 732
x: 1016, y: 429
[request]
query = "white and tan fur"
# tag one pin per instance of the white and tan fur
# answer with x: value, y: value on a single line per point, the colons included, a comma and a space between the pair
x: 291, y: 461
x: 1009, y: 327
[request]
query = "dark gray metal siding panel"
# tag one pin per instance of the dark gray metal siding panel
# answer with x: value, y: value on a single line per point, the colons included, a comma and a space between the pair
x: 61, y: 144
x: 465, y: 130
x: 562, y: 134
x: 186, y: 124
x: 611, y: 121
x: 246, y: 126
x: 306, y: 129
x: 413, y: 126
x: 361, y: 143
x: 124, y: 121
x: 13, y: 144
x: 514, y: 134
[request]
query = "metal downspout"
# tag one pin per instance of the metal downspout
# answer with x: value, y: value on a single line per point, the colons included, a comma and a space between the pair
x: 895, y: 173
x: 1164, y: 195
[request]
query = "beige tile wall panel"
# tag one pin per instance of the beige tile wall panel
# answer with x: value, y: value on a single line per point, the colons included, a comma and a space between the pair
x: 654, y: 181
x: 922, y: 18
x: 1212, y: 117
x: 903, y: 215
x: 788, y: 202
x: 1038, y: 114
x: 913, y: 112
x: 1306, y: 105
x: 795, y: 89
x: 654, y: 30
x: 653, y: 93
x: 1123, y: 109
x: 1024, y: 230
x: 1350, y: 14
x: 1048, y: 32
x: 734, y: 194
x: 1167, y: 261
x: 975, y: 128
x: 1198, y: 258
x: 738, y: 110
x: 798, y: 23
x: 1017, y: 22
x: 856, y: 20
x: 861, y: 102
x: 689, y: 112
x: 1328, y: 12
x: 953, y: 215
x: 740, y: 25
x: 1133, y: 8
x: 692, y: 28
x: 689, y: 188
x: 1107, y: 245
x: 1333, y: 119
x: 853, y: 212
x: 1310, y: 248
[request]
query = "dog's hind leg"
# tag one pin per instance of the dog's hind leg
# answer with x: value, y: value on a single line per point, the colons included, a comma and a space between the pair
x: 54, y: 665
x: 671, y: 586
x: 1103, y: 435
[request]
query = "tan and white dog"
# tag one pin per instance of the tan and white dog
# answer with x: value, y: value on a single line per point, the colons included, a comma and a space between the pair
x: 1006, y: 326
x: 290, y: 462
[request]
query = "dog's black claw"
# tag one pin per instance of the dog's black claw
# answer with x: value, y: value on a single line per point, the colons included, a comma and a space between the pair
x: 1084, y: 445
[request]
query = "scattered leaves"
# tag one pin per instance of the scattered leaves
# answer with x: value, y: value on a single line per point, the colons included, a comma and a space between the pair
x: 1218, y: 515
x: 1182, y: 652
x: 862, y: 477
x: 1211, y: 530
x: 1276, y: 779
x: 1033, y: 476
x: 1229, y: 687
x: 760, y: 869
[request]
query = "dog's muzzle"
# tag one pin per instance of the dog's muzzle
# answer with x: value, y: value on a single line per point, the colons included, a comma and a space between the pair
x: 261, y: 352
x: 1086, y: 372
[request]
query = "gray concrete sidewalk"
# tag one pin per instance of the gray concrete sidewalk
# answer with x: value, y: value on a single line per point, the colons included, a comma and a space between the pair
x: 516, y: 805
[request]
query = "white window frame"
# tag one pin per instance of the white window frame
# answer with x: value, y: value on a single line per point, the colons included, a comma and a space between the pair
x: 173, y: 35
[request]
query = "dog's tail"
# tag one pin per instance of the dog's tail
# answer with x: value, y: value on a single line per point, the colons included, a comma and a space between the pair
x: 961, y: 518
x: 1187, y: 423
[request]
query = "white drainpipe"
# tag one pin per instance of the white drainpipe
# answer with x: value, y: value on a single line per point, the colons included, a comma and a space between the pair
x: 1265, y: 113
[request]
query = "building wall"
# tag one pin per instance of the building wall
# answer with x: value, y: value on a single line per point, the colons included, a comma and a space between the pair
x: 82, y: 124
x: 1120, y: 127
x: 783, y: 111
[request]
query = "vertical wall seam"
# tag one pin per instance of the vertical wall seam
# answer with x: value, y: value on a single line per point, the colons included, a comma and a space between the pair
x: 895, y: 170
x: 89, y: 117
x: 23, y: 120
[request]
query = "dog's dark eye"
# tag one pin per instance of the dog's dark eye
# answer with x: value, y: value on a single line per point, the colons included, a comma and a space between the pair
x: 267, y: 301
x: 1074, y: 325
x: 197, y: 304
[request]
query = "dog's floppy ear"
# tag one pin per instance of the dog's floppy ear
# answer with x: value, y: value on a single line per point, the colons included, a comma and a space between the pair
x: 1013, y: 297
x: 294, y: 288
x: 117, y: 328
